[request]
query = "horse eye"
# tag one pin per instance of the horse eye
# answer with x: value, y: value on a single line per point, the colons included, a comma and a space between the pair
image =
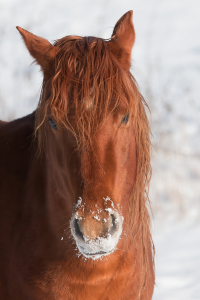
x: 125, y: 119
x: 53, y: 124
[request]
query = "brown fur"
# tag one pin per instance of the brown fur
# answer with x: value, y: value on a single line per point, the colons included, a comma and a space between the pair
x: 87, y: 89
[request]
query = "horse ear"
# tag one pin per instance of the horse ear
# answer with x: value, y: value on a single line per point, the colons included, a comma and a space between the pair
x: 123, y: 39
x: 43, y: 51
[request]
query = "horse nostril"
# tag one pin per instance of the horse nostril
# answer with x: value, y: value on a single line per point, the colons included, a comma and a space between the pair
x: 114, y: 224
x: 78, y: 231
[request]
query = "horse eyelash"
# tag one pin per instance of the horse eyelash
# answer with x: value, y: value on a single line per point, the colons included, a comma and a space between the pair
x: 53, y: 124
x: 125, y: 119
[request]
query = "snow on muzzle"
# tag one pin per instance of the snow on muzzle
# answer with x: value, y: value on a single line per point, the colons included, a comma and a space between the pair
x: 96, y: 231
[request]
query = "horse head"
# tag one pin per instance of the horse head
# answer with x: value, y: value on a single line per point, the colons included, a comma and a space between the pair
x: 90, y: 111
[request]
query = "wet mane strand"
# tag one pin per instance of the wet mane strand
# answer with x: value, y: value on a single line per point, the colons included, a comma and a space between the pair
x: 89, y: 84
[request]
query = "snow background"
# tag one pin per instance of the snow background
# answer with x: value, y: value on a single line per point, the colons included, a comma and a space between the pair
x: 166, y: 64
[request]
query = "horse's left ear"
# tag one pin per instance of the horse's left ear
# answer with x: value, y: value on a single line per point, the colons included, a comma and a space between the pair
x: 123, y: 39
x: 43, y: 51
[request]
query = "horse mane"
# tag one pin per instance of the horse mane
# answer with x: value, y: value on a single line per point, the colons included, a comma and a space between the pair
x: 86, y: 73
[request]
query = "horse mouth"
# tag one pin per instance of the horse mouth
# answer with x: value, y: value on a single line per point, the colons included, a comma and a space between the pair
x: 95, y: 254
x: 98, y: 253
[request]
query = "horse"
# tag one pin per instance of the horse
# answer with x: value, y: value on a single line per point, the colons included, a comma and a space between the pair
x: 74, y: 177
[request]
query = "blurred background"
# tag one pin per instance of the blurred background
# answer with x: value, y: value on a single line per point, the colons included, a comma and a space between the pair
x: 166, y: 65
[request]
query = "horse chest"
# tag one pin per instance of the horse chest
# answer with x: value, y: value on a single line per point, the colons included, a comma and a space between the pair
x: 82, y: 287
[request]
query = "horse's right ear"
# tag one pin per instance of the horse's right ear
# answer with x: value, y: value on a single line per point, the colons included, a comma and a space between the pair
x: 123, y: 39
x: 43, y: 51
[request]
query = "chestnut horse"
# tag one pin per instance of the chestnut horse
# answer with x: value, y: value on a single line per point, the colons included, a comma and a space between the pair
x: 74, y: 177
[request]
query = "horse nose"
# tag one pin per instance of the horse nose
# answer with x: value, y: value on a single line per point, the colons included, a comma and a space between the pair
x: 92, y: 227
x: 96, y: 234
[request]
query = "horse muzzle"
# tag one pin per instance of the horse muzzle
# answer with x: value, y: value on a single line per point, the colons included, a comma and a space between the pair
x: 96, y: 231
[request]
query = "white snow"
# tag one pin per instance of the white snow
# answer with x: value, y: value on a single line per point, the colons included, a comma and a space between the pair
x: 97, y: 217
x: 78, y: 205
x: 166, y: 64
x: 177, y: 260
